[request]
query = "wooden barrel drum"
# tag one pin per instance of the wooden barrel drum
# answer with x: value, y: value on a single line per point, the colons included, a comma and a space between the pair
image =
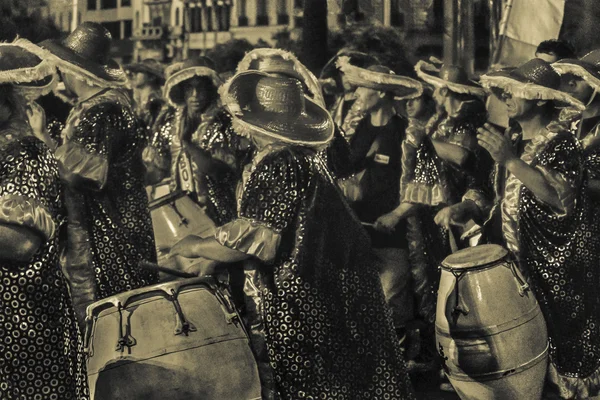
x: 178, y: 340
x: 492, y: 337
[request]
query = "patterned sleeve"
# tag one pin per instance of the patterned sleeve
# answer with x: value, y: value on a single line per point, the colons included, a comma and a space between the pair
x: 84, y: 156
x: 156, y: 155
x: 561, y: 164
x: 29, y: 187
x: 269, y: 205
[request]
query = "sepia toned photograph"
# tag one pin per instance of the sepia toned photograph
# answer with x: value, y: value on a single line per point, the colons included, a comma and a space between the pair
x: 299, y: 199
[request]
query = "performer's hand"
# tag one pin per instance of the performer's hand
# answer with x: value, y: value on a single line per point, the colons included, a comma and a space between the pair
x: 186, y: 247
x: 386, y: 223
x: 499, y: 146
x: 37, y: 119
x: 457, y: 214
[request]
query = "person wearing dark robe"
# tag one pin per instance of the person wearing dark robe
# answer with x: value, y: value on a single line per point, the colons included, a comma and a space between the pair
x: 547, y: 220
x: 329, y: 332
x: 110, y: 229
x: 41, y: 350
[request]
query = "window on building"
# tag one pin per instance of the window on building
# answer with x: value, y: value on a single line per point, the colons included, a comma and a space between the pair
x: 70, y: 21
x: 157, y: 21
x: 242, y: 16
x: 223, y: 14
x: 125, y: 3
x: 137, y: 19
x: 79, y: 18
x: 209, y: 19
x: 195, y: 19
x: 60, y: 21
x: 127, y: 28
x: 91, y: 4
x: 283, y: 17
x: 262, y: 16
x: 107, y: 4
x: 177, y: 16
x: 114, y: 28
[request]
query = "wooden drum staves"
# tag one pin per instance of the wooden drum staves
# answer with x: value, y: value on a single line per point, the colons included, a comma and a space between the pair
x: 179, y: 341
x: 492, y: 337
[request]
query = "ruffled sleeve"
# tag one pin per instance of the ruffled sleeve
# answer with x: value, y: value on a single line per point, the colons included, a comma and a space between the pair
x: 270, y: 202
x: 84, y: 156
x: 29, y: 187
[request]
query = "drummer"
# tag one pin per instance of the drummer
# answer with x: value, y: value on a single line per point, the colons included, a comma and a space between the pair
x: 546, y: 220
x: 109, y: 230
x: 40, y: 344
x: 328, y: 331
x: 191, y: 139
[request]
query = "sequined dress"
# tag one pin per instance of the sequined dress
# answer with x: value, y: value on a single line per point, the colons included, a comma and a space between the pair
x: 110, y: 230
x: 216, y: 137
x: 559, y: 249
x: 41, y: 352
x: 329, y: 332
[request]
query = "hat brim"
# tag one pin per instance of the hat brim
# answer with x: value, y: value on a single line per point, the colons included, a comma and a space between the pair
x: 33, y: 90
x: 313, y: 128
x: 110, y: 75
x: 174, y: 96
x: 146, y: 70
x: 519, y: 86
x: 28, y: 72
x: 579, y: 68
x: 357, y: 58
x: 428, y: 72
x: 403, y: 87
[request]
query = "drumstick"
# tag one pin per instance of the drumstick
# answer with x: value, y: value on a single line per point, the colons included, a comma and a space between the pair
x: 368, y: 224
x: 158, y: 268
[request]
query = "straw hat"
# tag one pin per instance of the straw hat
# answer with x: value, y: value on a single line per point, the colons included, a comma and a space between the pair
x: 182, y: 71
x: 534, y: 80
x: 357, y: 58
x: 25, y: 65
x: 452, y: 77
x: 275, y: 107
x: 148, y: 66
x: 86, y: 54
x: 587, y: 68
x: 379, y: 77
x: 277, y: 61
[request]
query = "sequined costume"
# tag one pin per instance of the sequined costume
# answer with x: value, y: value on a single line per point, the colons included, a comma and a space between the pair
x: 433, y: 183
x: 215, y: 136
x: 41, y: 352
x: 110, y: 230
x: 328, y: 331
x: 559, y: 249
x: 148, y: 111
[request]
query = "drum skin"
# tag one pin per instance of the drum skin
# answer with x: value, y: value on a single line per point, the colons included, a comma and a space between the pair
x: 156, y: 358
x: 492, y: 337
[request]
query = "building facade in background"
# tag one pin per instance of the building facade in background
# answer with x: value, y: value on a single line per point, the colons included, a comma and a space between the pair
x: 174, y: 29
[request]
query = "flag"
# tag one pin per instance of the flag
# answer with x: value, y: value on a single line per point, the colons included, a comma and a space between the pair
x: 524, y: 24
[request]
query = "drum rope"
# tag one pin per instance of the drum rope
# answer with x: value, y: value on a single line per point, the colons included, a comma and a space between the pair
x: 125, y: 339
x: 458, y: 309
x: 183, y: 220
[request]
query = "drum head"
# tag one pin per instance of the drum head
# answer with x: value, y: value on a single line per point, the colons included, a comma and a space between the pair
x: 475, y: 256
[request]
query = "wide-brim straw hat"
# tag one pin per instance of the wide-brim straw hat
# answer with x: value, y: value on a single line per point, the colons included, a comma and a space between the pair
x: 278, y: 61
x: 534, y: 80
x: 149, y: 66
x: 452, y: 77
x: 587, y: 68
x: 276, y: 108
x: 26, y: 67
x: 85, y: 53
x: 357, y: 58
x: 380, y: 78
x: 180, y: 72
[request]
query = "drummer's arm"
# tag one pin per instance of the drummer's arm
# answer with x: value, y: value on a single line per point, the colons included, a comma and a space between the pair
x: 18, y: 243
x: 195, y: 247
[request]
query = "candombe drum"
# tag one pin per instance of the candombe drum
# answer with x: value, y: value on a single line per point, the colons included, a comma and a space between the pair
x: 175, y: 216
x: 491, y: 335
x: 178, y: 340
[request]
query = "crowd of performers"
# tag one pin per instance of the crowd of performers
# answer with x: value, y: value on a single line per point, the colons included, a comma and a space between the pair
x: 335, y: 200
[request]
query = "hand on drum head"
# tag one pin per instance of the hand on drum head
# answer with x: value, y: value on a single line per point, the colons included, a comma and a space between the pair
x: 457, y: 214
x: 186, y: 247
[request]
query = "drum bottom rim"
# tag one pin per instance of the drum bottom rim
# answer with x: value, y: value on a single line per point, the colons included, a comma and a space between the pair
x: 491, y: 376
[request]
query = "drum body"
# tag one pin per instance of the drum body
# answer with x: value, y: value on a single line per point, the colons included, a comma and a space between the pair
x: 175, y: 216
x: 492, y: 337
x: 177, y: 340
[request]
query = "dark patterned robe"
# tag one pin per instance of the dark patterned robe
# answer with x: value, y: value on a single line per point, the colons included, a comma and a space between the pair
x: 216, y: 138
x: 559, y: 250
x: 110, y: 230
x: 329, y: 332
x: 41, y: 352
